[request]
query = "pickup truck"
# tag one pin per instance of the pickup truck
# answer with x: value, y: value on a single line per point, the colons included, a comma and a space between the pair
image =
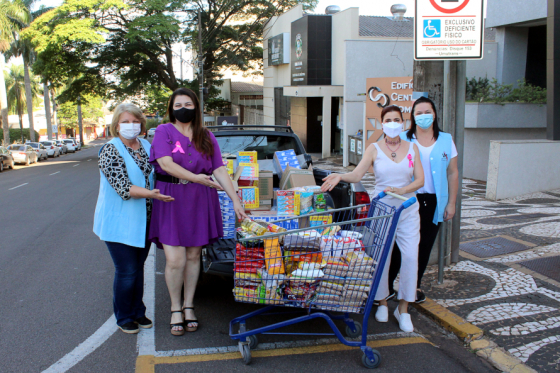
x: 218, y: 258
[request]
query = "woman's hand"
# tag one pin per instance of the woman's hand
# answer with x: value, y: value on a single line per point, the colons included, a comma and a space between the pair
x: 207, y: 181
x: 162, y: 197
x: 399, y: 191
x: 330, y: 182
x: 449, y: 212
x: 239, y: 210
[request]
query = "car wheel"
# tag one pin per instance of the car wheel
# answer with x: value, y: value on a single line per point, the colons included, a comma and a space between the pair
x: 2, y: 166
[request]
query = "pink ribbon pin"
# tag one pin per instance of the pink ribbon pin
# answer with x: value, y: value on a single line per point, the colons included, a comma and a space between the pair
x: 178, y: 148
x: 410, y: 163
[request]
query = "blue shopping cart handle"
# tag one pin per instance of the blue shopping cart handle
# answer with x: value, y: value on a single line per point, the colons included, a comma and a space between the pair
x: 407, y: 202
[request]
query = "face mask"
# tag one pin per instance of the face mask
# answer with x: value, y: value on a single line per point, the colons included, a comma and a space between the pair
x: 424, y: 121
x: 392, y: 129
x: 184, y: 115
x: 129, y: 130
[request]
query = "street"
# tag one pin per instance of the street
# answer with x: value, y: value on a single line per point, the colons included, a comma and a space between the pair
x: 56, y: 293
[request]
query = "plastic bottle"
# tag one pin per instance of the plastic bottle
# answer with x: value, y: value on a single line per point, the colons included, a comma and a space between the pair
x: 250, y: 226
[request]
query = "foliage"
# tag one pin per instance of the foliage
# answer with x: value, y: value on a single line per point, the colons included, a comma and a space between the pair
x: 92, y: 111
x: 13, y: 16
x: 15, y: 134
x: 485, y: 90
x: 127, y: 45
x: 15, y: 86
x: 154, y: 122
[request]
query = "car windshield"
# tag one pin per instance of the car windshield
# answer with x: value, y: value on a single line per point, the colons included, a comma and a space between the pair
x: 264, y: 145
x: 68, y: 141
x: 47, y: 143
x: 16, y: 147
x: 33, y: 145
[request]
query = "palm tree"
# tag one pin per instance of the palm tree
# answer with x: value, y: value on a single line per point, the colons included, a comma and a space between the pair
x: 13, y: 15
x: 15, y: 85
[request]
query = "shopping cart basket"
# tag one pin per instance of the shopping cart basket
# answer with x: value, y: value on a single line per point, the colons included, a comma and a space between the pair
x: 332, y: 267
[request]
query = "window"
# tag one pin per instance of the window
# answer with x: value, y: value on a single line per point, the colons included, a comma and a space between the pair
x: 17, y: 147
x: 265, y: 146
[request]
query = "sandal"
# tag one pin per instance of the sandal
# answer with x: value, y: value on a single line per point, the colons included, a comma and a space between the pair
x: 187, y: 322
x: 181, y: 324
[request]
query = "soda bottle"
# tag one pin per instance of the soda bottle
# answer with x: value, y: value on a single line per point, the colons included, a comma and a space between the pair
x: 250, y: 226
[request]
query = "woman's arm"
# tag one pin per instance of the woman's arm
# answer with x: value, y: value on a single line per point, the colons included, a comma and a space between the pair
x: 223, y: 178
x: 453, y: 189
x: 139, y: 192
x: 418, y: 177
x: 166, y: 163
x: 355, y: 176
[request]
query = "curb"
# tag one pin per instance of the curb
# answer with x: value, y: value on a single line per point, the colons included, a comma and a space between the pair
x: 473, y: 337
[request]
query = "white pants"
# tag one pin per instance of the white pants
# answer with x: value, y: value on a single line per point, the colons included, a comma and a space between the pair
x: 408, y: 239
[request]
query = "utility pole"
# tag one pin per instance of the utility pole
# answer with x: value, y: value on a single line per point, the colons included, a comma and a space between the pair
x: 80, y: 121
x: 552, y: 70
x: 181, y: 61
x: 47, y: 101
x: 200, y: 67
x: 4, y: 103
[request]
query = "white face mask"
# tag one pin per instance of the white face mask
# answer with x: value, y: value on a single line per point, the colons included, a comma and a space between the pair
x: 129, y: 130
x: 392, y: 129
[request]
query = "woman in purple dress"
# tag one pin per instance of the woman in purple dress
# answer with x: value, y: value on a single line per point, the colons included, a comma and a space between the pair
x: 185, y: 155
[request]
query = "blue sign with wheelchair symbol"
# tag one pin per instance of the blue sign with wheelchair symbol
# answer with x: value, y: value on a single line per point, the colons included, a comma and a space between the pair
x: 432, y: 28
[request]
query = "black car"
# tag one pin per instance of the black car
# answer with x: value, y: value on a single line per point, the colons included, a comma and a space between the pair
x: 218, y: 258
x: 6, y: 158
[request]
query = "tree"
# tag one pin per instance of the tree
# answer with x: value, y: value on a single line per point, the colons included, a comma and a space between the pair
x: 13, y: 15
x: 127, y: 45
x: 92, y: 111
x: 16, y: 92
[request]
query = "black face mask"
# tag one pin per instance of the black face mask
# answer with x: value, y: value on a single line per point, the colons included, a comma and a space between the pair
x: 185, y: 115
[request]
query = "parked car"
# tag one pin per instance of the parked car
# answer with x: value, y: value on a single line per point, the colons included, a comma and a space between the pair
x: 40, y: 149
x: 218, y: 258
x: 62, y: 146
x: 52, y: 149
x: 150, y: 134
x: 76, y: 143
x: 23, y: 154
x: 6, y: 159
x: 70, y: 144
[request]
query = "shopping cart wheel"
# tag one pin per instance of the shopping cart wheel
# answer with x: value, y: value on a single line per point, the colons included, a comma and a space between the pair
x: 245, y: 353
x: 369, y: 363
x: 354, y: 333
x: 253, y: 341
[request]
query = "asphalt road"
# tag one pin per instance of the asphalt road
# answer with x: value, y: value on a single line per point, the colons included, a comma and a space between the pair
x: 56, y: 299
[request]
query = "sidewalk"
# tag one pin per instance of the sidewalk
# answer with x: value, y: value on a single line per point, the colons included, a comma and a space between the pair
x: 507, y: 281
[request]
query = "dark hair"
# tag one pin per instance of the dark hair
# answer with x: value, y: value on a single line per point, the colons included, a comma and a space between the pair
x: 200, y: 135
x: 389, y: 109
x: 412, y: 129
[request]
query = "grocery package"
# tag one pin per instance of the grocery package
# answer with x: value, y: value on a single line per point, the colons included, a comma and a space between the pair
x: 254, y: 294
x: 285, y: 202
x: 273, y: 216
x: 265, y: 185
x: 303, y: 203
x: 273, y: 285
x: 247, y: 172
x: 247, y: 157
x: 330, y: 231
x: 319, y: 202
x: 228, y: 163
x: 319, y: 220
x: 303, y: 241
x: 285, y: 158
x: 248, y: 282
x: 351, y: 234
x: 273, y: 256
x: 249, y: 196
x: 307, y: 272
x: 228, y: 214
x: 297, y: 290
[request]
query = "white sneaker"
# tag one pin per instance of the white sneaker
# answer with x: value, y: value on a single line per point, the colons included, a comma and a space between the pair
x: 382, y: 314
x: 405, y: 322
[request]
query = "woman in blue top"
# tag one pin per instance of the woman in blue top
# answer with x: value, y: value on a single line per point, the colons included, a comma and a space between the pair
x: 123, y: 210
x: 437, y: 197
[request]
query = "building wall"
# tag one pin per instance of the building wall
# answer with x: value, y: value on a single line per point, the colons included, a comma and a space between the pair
x: 345, y: 26
x: 298, y: 119
x: 512, y: 53
x: 505, y: 12
x: 487, y: 66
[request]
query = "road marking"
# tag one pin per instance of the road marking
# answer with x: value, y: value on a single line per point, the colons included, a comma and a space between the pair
x: 85, y: 348
x: 18, y: 186
x: 146, y: 342
x: 57, y: 172
x: 76, y: 165
x: 89, y: 160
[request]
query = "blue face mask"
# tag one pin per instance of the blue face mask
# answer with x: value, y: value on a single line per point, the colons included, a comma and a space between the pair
x: 424, y: 121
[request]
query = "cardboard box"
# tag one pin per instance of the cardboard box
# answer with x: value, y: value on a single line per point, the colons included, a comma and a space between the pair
x: 265, y: 202
x: 265, y: 184
x: 246, y: 172
x: 283, y: 159
x: 249, y: 196
x: 294, y: 177
x: 247, y: 157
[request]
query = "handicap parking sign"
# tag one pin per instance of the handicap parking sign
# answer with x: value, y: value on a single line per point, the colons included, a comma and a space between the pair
x: 432, y: 28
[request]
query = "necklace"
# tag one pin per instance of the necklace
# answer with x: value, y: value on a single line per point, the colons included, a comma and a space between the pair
x: 394, y: 152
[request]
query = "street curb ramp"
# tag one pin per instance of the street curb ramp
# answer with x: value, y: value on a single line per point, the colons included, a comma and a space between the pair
x: 473, y: 337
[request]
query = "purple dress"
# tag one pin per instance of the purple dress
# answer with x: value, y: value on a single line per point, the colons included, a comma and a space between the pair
x: 194, y: 218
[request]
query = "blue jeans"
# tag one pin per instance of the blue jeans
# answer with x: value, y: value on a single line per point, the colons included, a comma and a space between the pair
x: 128, y: 286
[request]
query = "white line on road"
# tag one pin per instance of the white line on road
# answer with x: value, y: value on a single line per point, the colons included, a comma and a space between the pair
x: 76, y: 165
x: 18, y: 186
x: 146, y: 342
x: 57, y: 172
x: 85, y: 348
x: 89, y: 160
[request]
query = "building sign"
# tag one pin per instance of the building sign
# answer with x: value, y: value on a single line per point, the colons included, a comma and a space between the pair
x: 311, y: 49
x: 227, y: 121
x: 279, y: 49
x: 382, y: 92
x: 448, y: 29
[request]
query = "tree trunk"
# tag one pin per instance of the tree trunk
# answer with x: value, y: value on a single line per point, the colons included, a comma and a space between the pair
x: 55, y: 119
x: 47, y: 100
x: 28, y: 98
x: 4, y: 103
x: 80, y: 124
x: 20, y: 116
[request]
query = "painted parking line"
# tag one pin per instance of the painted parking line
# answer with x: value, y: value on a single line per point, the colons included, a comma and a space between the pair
x: 57, y: 172
x: 147, y: 363
x: 18, y: 186
x: 76, y: 165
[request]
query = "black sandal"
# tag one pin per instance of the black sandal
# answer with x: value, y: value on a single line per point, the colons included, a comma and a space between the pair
x: 187, y: 322
x: 181, y: 324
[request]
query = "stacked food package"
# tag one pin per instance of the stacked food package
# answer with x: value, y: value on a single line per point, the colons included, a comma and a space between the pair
x: 228, y: 215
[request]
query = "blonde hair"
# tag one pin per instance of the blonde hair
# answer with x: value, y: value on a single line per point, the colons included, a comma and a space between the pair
x: 127, y: 108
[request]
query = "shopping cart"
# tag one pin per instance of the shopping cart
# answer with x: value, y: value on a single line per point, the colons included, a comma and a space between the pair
x: 334, y: 269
